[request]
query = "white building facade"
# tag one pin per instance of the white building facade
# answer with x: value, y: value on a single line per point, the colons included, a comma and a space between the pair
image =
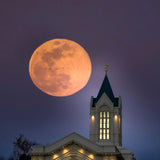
x: 105, y: 142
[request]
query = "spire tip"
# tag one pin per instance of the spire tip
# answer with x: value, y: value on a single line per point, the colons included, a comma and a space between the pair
x: 106, y: 68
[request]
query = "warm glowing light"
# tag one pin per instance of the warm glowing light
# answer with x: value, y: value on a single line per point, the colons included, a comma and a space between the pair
x: 60, y: 67
x: 55, y: 156
x: 115, y: 117
x: 91, y: 156
x: 104, y: 125
x: 65, y: 151
x: 93, y: 117
x: 81, y: 151
x: 100, y: 135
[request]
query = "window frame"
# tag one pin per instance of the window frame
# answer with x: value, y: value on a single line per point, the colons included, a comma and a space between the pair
x: 104, y: 125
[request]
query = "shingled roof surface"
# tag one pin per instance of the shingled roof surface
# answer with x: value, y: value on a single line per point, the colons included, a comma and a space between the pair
x: 106, y: 88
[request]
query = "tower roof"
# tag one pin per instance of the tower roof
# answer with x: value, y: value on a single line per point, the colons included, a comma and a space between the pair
x: 106, y: 88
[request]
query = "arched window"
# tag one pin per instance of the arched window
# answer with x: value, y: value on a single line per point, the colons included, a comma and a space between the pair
x: 103, y: 125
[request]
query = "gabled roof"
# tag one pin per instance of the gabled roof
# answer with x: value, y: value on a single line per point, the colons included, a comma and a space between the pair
x: 106, y: 88
x: 76, y: 139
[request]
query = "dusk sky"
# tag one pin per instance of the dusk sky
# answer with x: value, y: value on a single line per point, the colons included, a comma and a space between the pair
x: 124, y: 34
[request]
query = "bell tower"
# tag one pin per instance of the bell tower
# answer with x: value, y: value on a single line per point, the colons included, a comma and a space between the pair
x: 106, y: 116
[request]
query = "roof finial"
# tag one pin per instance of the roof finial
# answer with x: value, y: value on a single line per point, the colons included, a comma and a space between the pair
x: 106, y: 68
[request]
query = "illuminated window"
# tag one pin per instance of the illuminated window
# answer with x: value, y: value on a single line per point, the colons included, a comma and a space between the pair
x: 65, y: 150
x: 81, y: 151
x: 104, y: 125
x: 91, y: 156
x: 55, y: 156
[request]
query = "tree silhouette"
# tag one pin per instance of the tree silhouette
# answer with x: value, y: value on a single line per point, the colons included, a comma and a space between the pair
x: 24, y: 157
x: 21, y: 147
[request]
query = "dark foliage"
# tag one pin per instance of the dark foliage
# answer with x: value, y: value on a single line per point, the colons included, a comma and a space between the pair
x: 22, y: 146
x: 24, y: 157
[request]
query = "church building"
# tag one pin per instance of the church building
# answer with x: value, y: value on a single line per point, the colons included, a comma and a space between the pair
x: 105, y: 135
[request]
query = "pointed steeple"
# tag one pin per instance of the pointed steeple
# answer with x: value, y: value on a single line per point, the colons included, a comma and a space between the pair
x: 106, y: 88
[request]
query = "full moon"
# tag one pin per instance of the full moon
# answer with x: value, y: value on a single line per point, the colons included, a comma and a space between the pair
x: 60, y: 67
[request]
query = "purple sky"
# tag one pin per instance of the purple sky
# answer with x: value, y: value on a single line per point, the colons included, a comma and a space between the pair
x: 123, y: 34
